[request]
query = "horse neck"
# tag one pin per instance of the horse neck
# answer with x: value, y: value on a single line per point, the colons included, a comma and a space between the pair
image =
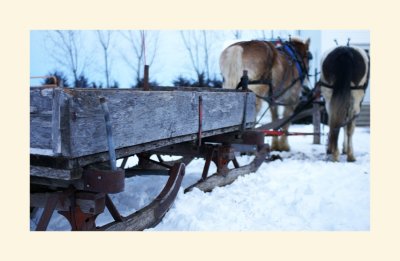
x: 288, y: 68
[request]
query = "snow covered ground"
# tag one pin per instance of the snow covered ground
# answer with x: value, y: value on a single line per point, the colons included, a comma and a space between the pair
x: 303, y: 192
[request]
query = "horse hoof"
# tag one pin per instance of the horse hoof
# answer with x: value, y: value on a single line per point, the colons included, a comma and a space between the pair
x: 285, y: 149
x: 275, y: 147
x: 329, y: 157
x: 351, y: 159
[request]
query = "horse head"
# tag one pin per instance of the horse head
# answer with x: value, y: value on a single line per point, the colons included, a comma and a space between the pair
x: 303, y: 57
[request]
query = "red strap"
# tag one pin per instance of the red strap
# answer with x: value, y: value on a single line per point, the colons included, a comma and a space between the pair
x: 273, y: 132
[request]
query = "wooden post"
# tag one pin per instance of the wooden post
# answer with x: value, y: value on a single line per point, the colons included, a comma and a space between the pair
x: 316, y: 114
x: 317, y: 123
x: 146, y: 78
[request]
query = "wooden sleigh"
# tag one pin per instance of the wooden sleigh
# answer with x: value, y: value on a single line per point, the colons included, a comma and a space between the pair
x: 75, y: 142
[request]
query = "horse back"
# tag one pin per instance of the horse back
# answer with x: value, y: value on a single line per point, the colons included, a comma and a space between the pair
x: 257, y: 57
x: 344, y: 64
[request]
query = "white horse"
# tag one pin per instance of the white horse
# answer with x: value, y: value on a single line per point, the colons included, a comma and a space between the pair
x: 344, y: 79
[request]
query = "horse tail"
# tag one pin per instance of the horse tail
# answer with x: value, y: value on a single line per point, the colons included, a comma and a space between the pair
x: 231, y: 65
x: 339, y: 68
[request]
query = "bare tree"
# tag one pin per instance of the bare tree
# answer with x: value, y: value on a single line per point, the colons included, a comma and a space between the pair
x: 105, y: 42
x: 265, y: 34
x: 275, y: 34
x: 144, y: 44
x: 198, y: 45
x: 67, y: 50
x: 237, y: 34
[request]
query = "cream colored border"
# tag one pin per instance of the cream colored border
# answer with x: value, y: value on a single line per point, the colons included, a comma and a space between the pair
x: 17, y: 18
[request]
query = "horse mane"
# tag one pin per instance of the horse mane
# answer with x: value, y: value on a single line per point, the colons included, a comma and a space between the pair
x: 299, y: 40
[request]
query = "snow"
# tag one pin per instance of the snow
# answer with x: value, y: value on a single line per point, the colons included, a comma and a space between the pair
x: 303, y: 192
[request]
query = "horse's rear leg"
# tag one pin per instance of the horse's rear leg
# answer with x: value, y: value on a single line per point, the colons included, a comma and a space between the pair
x: 333, y: 143
x: 283, y: 141
x: 260, y: 90
x: 345, y: 141
x: 348, y: 132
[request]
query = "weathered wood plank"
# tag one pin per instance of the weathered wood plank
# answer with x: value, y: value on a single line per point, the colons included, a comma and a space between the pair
x: 55, y: 122
x: 41, y: 100
x: 53, y: 173
x: 141, y: 117
x: 69, y: 164
x: 71, y: 122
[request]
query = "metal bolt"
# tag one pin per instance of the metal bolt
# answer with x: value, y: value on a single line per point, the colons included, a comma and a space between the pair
x: 99, y: 177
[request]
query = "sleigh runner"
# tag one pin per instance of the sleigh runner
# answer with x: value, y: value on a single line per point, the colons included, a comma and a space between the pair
x: 72, y: 169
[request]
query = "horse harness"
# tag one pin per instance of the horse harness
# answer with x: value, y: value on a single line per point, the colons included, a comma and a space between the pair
x: 353, y: 88
x: 287, y: 49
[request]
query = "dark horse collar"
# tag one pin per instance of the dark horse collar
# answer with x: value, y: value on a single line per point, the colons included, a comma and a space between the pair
x: 290, y: 51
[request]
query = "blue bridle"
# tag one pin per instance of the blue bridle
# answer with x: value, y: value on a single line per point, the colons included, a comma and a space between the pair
x: 288, y: 49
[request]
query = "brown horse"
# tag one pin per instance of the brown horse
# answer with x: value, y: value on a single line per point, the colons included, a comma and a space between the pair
x: 344, y: 79
x: 276, y: 74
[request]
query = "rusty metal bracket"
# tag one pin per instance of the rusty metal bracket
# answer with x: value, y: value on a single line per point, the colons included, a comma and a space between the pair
x: 199, y: 134
x: 80, y: 208
x: 110, y: 139
x: 106, y: 181
x: 225, y: 153
x: 83, y: 210
x: 253, y: 138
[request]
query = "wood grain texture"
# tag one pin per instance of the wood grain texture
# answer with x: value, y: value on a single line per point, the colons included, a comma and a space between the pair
x: 141, y: 117
x: 53, y: 173
x: 41, y: 100
x: 137, y: 117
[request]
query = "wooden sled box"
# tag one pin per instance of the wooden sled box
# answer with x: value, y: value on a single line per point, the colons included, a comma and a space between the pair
x: 68, y: 130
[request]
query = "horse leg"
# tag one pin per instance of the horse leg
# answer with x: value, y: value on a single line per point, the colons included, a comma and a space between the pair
x: 283, y: 142
x: 260, y: 90
x: 357, y: 96
x: 333, y: 143
x: 274, y: 116
x: 349, y: 133
x: 345, y: 141
x: 327, y: 94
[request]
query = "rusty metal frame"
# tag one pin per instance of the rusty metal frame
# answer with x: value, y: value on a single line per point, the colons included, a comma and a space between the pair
x: 105, y: 181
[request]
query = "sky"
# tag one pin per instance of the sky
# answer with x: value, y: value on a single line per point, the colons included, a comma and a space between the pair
x: 171, y: 59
